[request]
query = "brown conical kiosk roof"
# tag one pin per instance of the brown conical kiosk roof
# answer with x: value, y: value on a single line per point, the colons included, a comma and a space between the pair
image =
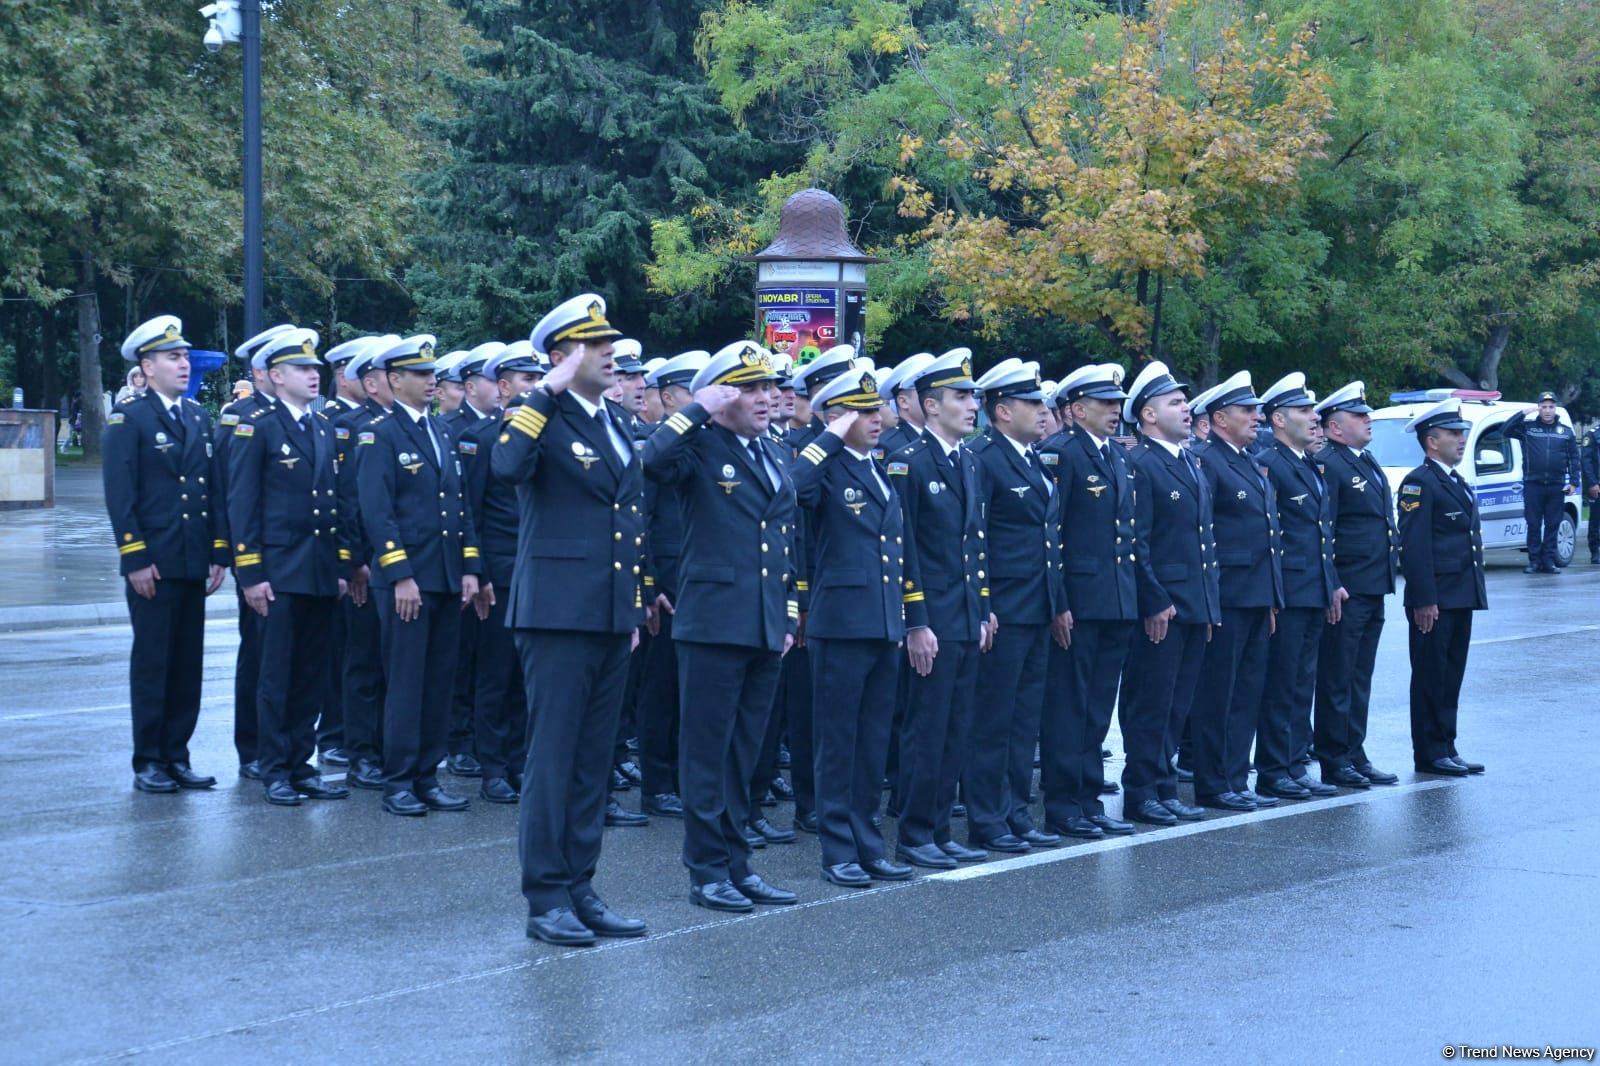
x: 811, y: 226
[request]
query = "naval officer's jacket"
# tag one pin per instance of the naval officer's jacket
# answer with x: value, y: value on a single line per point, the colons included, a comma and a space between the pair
x: 580, y: 538
x: 1366, y: 544
x: 160, y: 486
x: 1094, y: 496
x: 1176, y: 552
x: 491, y: 499
x: 736, y: 573
x: 1246, y: 526
x: 347, y: 429
x: 1305, y: 526
x: 663, y: 508
x: 1023, y: 519
x: 228, y: 421
x: 283, y: 506
x: 946, y: 542
x: 1441, y: 543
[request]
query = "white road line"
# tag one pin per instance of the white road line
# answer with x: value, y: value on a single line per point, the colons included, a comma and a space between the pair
x: 1188, y: 829
x: 1536, y: 636
x: 29, y: 716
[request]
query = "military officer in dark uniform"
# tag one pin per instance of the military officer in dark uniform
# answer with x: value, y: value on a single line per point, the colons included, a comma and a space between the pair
x: 1312, y: 595
x: 899, y: 392
x: 735, y: 612
x: 1050, y: 448
x: 159, y: 473
x: 424, y: 571
x: 576, y: 601
x: 1179, y: 598
x: 361, y: 669
x: 1441, y: 556
x: 1549, y: 476
x: 1589, y: 457
x: 1245, y: 521
x: 856, y: 626
x: 1095, y: 502
x: 1365, y: 550
x: 948, y: 622
x: 499, y: 710
x: 1029, y: 601
x: 283, y: 518
x: 627, y: 391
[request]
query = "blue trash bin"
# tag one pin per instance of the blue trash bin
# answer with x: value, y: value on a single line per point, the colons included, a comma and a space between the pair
x: 201, y: 363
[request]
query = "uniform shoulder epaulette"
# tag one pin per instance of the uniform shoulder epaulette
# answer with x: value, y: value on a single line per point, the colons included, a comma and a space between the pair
x: 126, y: 400
x: 259, y: 411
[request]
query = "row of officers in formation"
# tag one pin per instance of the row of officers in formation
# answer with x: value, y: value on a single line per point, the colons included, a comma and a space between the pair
x: 733, y: 560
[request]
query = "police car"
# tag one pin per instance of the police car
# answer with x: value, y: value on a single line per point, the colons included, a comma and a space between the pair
x: 1492, y: 464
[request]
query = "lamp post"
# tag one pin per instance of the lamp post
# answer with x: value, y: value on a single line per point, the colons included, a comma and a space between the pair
x: 240, y: 21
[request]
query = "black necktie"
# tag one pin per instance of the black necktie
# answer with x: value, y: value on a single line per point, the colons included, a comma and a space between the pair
x: 872, y: 478
x: 754, y: 450
x: 175, y: 413
x: 1188, y: 464
x: 1105, y: 453
x: 304, y: 422
x: 1316, y: 478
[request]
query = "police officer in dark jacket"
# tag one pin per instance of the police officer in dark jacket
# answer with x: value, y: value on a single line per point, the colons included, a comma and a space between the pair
x: 735, y: 615
x: 1028, y: 599
x: 1441, y: 556
x: 948, y: 622
x: 1245, y: 520
x: 499, y: 704
x: 159, y: 470
x: 1365, y: 555
x: 1179, y: 598
x: 1589, y: 456
x: 1095, y: 498
x: 576, y: 601
x: 283, y: 518
x: 1549, y: 476
x: 857, y: 624
x: 1312, y: 595
x: 424, y: 571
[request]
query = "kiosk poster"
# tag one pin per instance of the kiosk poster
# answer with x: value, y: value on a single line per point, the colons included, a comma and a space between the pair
x: 793, y: 319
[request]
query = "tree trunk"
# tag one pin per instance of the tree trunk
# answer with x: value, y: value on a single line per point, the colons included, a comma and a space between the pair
x: 1494, y: 349
x: 1211, y: 361
x: 90, y: 383
x: 49, y: 339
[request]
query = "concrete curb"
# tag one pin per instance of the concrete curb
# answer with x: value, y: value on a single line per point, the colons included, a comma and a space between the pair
x: 221, y: 604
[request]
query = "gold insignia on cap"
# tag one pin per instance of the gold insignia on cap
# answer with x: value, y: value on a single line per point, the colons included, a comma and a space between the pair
x: 1116, y: 374
x: 426, y: 351
x: 751, y: 356
x: 966, y: 367
x: 307, y: 347
x: 597, y: 313
x: 867, y: 384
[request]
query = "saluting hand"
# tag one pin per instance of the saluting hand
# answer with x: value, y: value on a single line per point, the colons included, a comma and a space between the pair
x: 561, y: 375
x: 716, y: 398
x: 841, y: 425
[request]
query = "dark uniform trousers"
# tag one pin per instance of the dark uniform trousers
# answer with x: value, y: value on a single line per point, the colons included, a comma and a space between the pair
x: 1438, y: 663
x: 1236, y: 663
x: 1344, y: 681
x: 853, y: 683
x: 726, y: 696
x: 417, y: 656
x: 1159, y: 687
x: 295, y: 637
x: 1077, y: 717
x: 793, y: 713
x: 933, y: 742
x: 362, y: 679
x: 999, y: 770
x: 330, y: 719
x: 1541, y: 510
x: 658, y: 712
x: 463, y: 729
x: 500, y: 716
x: 574, y: 690
x: 164, y: 669
x: 1284, y: 725
x: 246, y: 681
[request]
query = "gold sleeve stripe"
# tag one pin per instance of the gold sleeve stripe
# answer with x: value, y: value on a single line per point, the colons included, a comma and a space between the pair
x: 344, y: 555
x: 680, y: 423
x: 220, y: 544
x: 802, y: 586
x: 912, y: 597
x: 390, y: 558
x: 649, y: 582
x: 137, y: 546
x: 469, y: 553
x: 813, y: 454
x: 983, y: 592
x: 250, y: 559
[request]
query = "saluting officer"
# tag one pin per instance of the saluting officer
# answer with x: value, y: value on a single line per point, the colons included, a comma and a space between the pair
x: 1179, y: 598
x: 1312, y: 595
x: 424, y: 572
x: 576, y: 602
x: 1549, y: 476
x: 948, y: 621
x: 735, y: 614
x: 1441, y: 556
x: 1094, y: 499
x: 499, y: 703
x: 856, y: 626
x: 1245, y: 520
x: 1028, y: 599
x: 158, y: 459
x: 283, y: 518
x: 1365, y: 546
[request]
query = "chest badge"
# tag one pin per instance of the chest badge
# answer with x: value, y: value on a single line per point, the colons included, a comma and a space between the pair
x: 1300, y: 499
x: 729, y: 486
x: 584, y: 454
x: 1176, y: 495
x: 163, y: 442
x: 1359, y: 482
x: 1021, y: 490
x: 727, y: 470
x: 1093, y: 478
x: 1243, y: 495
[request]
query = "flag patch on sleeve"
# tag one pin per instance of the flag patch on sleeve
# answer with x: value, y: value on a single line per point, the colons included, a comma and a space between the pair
x: 1411, y: 490
x: 366, y: 438
x: 899, y: 468
x: 244, y: 430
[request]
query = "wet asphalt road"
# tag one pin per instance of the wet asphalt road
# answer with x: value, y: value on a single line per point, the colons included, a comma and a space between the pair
x: 1372, y: 927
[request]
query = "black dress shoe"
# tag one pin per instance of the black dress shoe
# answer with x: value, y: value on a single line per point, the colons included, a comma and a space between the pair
x: 1079, y: 828
x: 756, y: 890
x: 1258, y: 799
x: 1471, y: 767
x: 1183, y: 811
x: 1375, y: 775
x: 884, y: 870
x: 154, y: 779
x: 772, y: 834
x: 283, y: 794
x: 1109, y: 788
x: 1315, y: 787
x: 1346, y: 777
x: 603, y: 921
x: 756, y: 841
x: 464, y: 765
x: 630, y: 769
x: 785, y: 760
x: 782, y: 790
x: 366, y: 774
x: 1225, y: 801
x: 806, y: 823
x: 405, y: 804
x: 498, y: 790
x: 928, y: 856
x: 250, y: 770
x: 962, y: 853
x: 1282, y: 787
x: 1530, y: 569
x: 438, y: 799
x: 1111, y: 826
x: 617, y: 815
x: 1445, y: 767
x: 1151, y: 812
x: 336, y: 757
x: 317, y: 789
x: 1006, y: 842
x: 958, y: 810
x: 187, y: 778
x: 1549, y: 568
x: 619, y: 783
x: 560, y: 926
x: 846, y: 875
x: 665, y: 804
x: 1040, y: 838
x: 719, y: 896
